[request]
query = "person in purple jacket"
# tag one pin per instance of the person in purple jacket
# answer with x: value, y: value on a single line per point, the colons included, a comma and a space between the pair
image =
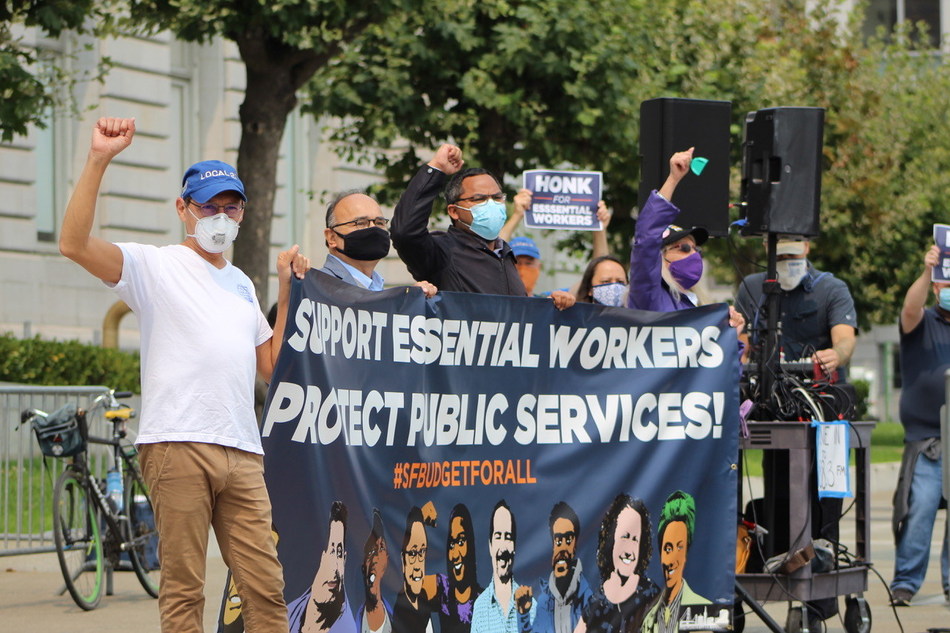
x: 666, y: 262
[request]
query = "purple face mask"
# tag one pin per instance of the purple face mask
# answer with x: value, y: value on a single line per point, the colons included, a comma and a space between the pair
x: 687, y: 271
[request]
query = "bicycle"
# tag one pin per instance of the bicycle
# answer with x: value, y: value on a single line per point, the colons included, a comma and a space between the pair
x: 92, y: 531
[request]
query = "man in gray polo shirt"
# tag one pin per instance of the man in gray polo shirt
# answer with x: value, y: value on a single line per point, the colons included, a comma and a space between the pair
x: 817, y: 313
x: 819, y: 323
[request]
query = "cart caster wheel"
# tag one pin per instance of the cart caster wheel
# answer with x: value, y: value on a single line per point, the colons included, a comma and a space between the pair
x: 857, y: 615
x: 738, y: 617
x: 796, y: 620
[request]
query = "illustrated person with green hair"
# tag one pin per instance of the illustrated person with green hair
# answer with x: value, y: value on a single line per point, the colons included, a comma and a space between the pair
x: 674, y: 536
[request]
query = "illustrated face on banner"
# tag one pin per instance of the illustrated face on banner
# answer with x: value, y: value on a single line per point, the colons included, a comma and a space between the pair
x: 232, y: 607
x: 328, y: 588
x: 501, y: 545
x: 375, y: 563
x: 565, y: 547
x: 627, y: 542
x: 414, y: 560
x: 458, y: 550
x: 673, y: 555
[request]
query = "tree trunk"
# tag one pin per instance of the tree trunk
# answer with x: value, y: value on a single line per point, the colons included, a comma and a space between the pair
x: 275, y: 71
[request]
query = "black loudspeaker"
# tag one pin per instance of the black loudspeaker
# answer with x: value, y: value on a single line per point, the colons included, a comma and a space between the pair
x: 671, y: 125
x: 781, y: 171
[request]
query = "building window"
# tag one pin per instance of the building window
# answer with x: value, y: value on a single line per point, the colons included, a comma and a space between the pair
x: 888, y: 13
x: 46, y: 180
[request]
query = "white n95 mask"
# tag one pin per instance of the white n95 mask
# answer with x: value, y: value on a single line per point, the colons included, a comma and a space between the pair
x: 216, y: 233
x: 791, y: 272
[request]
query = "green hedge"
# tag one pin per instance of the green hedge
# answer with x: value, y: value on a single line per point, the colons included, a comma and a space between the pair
x: 36, y: 361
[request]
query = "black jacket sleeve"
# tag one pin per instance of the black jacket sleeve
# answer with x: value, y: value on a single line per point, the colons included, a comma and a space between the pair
x: 424, y: 256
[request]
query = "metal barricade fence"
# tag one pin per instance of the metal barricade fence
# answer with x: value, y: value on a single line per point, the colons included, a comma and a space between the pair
x: 26, y: 485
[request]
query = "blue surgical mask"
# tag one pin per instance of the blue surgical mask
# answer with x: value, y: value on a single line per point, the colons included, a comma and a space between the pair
x: 610, y: 294
x: 487, y: 219
x: 943, y: 299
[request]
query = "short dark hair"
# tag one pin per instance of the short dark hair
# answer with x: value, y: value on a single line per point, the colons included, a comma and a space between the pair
x: 491, y: 521
x: 338, y: 512
x: 331, y: 208
x: 563, y: 511
x: 453, y: 189
x: 414, y: 516
x: 605, y: 540
x: 679, y: 506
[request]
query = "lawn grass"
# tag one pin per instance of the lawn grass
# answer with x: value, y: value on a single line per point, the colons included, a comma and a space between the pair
x: 887, y: 445
x: 32, y: 513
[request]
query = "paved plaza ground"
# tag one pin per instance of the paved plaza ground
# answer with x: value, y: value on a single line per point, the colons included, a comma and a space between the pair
x: 29, y: 602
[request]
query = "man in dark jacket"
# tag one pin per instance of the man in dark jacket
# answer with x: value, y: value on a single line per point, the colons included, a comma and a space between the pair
x: 469, y: 256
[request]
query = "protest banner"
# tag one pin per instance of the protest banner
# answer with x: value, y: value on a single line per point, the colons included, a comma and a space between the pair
x: 563, y: 199
x: 395, y: 426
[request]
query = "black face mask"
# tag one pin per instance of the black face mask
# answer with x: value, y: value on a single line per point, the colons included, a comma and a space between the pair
x: 367, y: 244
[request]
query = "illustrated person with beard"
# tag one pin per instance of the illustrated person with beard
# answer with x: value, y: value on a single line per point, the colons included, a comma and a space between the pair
x: 623, y: 555
x: 677, y: 523
x: 565, y: 595
x: 324, y: 606
x: 504, y: 606
x: 375, y: 616
x: 458, y: 589
x: 413, y: 609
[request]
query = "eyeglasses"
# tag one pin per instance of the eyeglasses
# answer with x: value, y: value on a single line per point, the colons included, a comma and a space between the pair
x: 208, y: 209
x: 480, y: 198
x: 413, y: 555
x: 363, y: 223
x: 685, y: 247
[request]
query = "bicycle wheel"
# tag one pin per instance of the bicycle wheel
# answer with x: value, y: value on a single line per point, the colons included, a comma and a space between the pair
x: 78, y: 544
x: 143, y: 554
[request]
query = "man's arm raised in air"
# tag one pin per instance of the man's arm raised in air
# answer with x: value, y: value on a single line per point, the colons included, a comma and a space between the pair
x: 101, y: 258
x: 915, y: 301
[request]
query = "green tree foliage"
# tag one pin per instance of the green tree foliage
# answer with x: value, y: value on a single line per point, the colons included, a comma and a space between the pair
x: 37, y: 361
x: 28, y: 87
x: 885, y: 177
x: 523, y: 84
x: 282, y: 44
x: 516, y: 84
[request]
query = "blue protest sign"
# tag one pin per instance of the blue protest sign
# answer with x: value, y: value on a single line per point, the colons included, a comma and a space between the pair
x: 563, y: 199
x: 427, y: 457
x: 941, y: 272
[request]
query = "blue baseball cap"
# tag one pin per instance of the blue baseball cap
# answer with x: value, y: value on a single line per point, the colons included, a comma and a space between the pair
x: 524, y: 246
x: 208, y: 178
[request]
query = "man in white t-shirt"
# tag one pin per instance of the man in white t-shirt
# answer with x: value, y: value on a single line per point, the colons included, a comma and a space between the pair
x: 203, y: 339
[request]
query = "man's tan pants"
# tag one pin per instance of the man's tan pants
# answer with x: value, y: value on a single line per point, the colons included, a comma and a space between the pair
x: 194, y: 486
